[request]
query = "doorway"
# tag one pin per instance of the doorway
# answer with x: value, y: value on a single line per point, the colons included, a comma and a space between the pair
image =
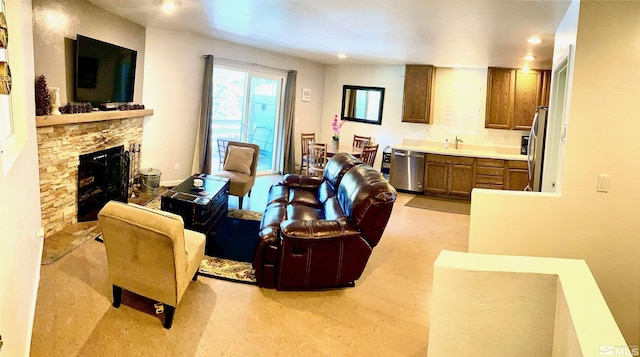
x: 556, y: 139
x: 247, y: 106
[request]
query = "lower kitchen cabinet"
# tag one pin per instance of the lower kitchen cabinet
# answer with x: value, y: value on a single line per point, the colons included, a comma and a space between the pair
x: 449, y: 175
x: 517, y: 175
x: 489, y: 173
x: 461, y: 180
x: 455, y: 176
x: 436, y: 176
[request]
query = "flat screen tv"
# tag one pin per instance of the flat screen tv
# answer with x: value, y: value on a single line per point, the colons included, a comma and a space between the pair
x: 104, y: 73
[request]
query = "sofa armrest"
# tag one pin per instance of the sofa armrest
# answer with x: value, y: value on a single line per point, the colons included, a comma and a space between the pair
x: 316, y: 229
x: 308, y: 182
x: 319, y: 254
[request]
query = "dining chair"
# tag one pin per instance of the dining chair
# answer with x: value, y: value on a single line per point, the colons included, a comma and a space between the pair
x: 360, y: 141
x: 317, y: 158
x: 369, y: 154
x: 306, y: 139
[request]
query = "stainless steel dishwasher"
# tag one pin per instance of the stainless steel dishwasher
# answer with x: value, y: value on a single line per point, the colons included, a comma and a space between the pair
x: 407, y: 170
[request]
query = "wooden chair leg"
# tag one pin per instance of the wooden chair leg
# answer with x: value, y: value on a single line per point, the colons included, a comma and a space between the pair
x: 249, y: 194
x: 117, y: 296
x: 169, y: 311
x: 240, y: 202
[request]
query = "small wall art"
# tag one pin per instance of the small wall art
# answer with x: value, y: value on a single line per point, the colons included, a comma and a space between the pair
x: 306, y: 94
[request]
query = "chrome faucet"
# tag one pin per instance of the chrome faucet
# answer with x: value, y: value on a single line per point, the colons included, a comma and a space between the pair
x: 458, y: 141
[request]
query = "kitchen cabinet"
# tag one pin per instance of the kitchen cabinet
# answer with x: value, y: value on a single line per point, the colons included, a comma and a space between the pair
x: 516, y: 175
x: 546, y: 88
x: 500, y: 97
x: 489, y: 173
x: 418, y: 93
x: 449, y: 175
x: 513, y: 95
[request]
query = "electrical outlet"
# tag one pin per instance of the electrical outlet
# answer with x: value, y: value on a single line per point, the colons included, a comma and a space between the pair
x: 603, y: 183
x: 176, y: 166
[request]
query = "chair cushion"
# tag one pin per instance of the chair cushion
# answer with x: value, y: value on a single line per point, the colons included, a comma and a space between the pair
x: 239, y: 159
x: 239, y: 183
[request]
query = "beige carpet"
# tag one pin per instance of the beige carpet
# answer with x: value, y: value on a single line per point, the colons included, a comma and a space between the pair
x: 440, y: 204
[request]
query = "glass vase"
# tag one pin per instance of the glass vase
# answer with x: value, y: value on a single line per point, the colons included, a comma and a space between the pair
x: 335, y: 144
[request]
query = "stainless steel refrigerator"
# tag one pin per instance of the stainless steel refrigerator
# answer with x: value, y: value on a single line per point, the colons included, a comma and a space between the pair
x: 535, y: 149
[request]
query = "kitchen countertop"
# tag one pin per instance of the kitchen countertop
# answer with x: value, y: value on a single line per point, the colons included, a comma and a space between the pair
x: 488, y: 152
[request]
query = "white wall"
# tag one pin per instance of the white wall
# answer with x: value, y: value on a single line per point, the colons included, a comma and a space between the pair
x: 393, y: 130
x: 174, y: 70
x: 57, y: 21
x: 20, y: 251
x: 601, y: 228
x: 490, y: 305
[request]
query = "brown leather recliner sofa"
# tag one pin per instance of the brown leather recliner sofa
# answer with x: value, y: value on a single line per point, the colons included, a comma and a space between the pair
x: 318, y: 232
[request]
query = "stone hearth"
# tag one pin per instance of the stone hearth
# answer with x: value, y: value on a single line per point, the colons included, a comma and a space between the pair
x: 59, y: 148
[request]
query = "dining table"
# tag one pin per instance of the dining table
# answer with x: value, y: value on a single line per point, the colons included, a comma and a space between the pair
x: 357, y: 152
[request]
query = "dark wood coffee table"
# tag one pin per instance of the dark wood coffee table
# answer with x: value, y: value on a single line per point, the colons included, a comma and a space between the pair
x: 200, y: 208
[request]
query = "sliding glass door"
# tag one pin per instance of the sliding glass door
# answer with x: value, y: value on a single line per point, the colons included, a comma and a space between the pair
x: 246, y: 107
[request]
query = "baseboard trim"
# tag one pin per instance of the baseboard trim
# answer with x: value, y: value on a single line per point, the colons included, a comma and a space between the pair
x: 32, y: 311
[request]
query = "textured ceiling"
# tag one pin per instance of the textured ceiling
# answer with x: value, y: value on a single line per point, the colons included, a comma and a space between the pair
x: 468, y: 33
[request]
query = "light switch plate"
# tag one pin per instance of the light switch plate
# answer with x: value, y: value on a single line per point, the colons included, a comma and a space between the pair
x: 603, y: 183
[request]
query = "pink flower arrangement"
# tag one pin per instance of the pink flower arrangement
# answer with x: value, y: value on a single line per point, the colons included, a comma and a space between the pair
x: 336, y: 125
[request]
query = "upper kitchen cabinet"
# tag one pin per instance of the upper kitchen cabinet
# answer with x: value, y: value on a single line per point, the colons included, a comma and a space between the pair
x: 513, y: 95
x: 418, y: 93
x: 501, y: 83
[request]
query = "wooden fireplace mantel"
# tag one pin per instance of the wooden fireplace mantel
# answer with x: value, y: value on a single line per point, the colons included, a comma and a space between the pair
x: 49, y: 120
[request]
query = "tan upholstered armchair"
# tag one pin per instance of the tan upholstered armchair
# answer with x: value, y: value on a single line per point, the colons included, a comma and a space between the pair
x: 240, y: 167
x: 149, y: 253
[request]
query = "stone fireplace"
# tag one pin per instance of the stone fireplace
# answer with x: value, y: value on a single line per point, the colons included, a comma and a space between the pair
x: 59, y: 148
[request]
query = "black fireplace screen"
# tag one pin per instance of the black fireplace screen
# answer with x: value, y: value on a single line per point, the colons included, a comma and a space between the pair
x: 102, y: 176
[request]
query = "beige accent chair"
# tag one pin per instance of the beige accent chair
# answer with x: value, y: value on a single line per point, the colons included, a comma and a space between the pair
x: 240, y: 167
x: 150, y: 253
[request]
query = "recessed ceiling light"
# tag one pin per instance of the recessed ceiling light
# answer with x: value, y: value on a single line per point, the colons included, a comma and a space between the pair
x: 342, y: 56
x: 534, y: 40
x: 529, y: 58
x: 170, y: 5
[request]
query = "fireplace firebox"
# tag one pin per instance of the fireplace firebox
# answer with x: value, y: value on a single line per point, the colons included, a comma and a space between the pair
x: 102, y: 176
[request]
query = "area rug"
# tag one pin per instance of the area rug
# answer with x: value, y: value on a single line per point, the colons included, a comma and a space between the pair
x: 227, y: 269
x: 440, y: 204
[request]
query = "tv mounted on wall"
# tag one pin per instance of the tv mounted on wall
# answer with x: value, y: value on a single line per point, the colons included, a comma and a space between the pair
x: 104, y: 73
